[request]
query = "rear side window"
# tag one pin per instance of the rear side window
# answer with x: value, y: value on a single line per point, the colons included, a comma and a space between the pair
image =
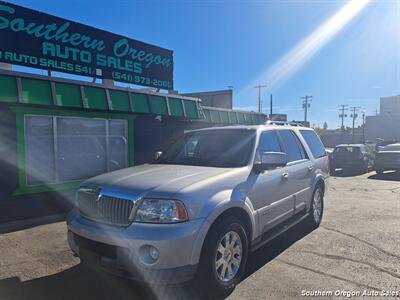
x: 269, y: 142
x: 314, y: 143
x: 293, y: 148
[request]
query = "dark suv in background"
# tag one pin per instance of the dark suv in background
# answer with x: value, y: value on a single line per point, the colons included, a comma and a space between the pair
x: 352, y: 157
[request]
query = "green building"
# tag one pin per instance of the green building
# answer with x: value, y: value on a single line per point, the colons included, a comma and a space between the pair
x: 54, y: 133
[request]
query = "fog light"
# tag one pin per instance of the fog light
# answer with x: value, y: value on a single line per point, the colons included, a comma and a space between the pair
x: 149, y: 254
x: 154, y: 254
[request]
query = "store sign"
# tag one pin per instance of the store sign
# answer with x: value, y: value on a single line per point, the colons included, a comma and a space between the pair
x: 34, y: 39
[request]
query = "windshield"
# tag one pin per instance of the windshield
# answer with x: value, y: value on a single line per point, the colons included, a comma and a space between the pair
x: 225, y: 148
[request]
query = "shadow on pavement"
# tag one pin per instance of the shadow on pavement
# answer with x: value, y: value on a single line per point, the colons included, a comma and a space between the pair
x: 391, y: 176
x: 346, y: 173
x: 268, y: 252
x: 83, y: 283
x: 78, y: 282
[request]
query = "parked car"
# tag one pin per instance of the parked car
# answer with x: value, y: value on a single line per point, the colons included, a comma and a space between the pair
x: 388, y: 159
x: 382, y: 143
x: 352, y: 157
x: 202, y: 206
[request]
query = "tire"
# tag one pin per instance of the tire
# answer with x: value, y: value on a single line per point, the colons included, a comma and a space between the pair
x: 209, y: 276
x: 315, y: 217
x: 365, y: 168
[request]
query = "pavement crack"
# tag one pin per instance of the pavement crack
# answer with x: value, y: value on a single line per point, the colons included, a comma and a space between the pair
x: 395, y: 190
x: 329, y: 275
x: 338, y: 257
x: 362, y: 241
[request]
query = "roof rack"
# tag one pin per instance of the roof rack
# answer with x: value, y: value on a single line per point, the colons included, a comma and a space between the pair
x: 282, y: 123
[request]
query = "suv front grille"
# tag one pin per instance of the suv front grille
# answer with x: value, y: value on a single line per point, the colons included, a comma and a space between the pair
x: 105, y: 209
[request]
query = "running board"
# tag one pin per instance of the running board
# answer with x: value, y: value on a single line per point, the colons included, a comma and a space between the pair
x: 278, y: 230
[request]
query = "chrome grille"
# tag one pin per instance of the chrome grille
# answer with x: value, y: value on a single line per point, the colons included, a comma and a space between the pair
x: 104, y: 208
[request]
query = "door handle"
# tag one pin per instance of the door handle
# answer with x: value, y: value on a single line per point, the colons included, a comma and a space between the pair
x: 285, y: 175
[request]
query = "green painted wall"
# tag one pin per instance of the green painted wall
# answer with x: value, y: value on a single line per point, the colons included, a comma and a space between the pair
x: 158, y: 105
x: 8, y: 89
x: 36, y: 92
x: 68, y: 95
x: 96, y: 98
x: 120, y: 101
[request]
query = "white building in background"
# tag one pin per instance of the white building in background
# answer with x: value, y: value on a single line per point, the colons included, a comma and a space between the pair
x: 390, y: 106
x: 386, y: 125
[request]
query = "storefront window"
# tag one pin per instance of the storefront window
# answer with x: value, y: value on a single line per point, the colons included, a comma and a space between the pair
x: 60, y: 149
x: 117, y: 145
x: 81, y: 145
x: 39, y: 150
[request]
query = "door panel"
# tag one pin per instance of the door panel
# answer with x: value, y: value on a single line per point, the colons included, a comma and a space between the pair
x: 270, y: 197
x: 299, y: 185
x: 269, y: 190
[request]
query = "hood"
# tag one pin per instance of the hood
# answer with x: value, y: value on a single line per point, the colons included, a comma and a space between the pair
x: 154, y: 180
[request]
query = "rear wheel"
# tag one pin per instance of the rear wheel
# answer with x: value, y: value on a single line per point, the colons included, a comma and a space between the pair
x: 332, y: 170
x: 223, y: 259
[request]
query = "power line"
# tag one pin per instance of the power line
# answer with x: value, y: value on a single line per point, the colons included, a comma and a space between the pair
x: 342, y: 109
x: 306, y: 105
x: 259, y: 87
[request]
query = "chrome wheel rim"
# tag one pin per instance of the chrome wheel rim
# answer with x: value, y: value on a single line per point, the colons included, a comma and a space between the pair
x: 228, y: 256
x: 317, y: 206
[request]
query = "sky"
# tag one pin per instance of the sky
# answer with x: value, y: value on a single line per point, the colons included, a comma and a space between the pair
x: 340, y: 52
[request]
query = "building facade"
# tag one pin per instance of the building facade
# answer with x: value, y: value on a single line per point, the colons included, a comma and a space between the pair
x: 55, y: 133
x: 386, y: 124
x: 221, y: 99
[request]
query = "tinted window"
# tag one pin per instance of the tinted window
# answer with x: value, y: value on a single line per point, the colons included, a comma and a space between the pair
x: 292, y: 145
x: 314, y: 143
x: 212, y: 148
x: 269, y: 142
x: 344, y: 149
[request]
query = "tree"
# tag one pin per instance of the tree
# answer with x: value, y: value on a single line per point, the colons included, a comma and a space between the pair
x: 325, y: 126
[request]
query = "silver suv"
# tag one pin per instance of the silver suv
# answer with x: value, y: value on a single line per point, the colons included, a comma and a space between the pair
x: 199, y: 209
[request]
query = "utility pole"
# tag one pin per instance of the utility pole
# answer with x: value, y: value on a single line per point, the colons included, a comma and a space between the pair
x: 270, y: 105
x: 306, y: 105
x: 354, y: 115
x: 363, y: 119
x: 342, y: 109
x: 259, y: 87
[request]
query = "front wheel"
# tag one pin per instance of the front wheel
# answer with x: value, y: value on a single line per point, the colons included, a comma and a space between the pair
x: 317, y: 208
x: 223, y: 258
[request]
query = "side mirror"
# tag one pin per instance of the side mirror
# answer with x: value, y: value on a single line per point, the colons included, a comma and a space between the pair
x: 270, y: 160
x: 157, y: 155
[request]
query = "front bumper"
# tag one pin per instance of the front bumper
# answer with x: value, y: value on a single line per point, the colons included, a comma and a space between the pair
x: 121, y: 250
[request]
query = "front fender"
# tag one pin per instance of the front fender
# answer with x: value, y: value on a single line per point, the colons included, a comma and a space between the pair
x: 220, y: 203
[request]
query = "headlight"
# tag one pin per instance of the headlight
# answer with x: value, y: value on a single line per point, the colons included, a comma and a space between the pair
x: 161, y: 211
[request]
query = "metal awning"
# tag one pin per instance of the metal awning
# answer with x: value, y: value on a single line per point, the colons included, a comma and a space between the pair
x: 37, y: 90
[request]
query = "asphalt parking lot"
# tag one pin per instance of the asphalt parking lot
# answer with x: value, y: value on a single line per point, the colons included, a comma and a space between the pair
x: 356, y: 249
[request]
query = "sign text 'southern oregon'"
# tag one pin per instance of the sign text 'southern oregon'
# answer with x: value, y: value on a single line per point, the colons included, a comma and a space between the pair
x: 38, y: 40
